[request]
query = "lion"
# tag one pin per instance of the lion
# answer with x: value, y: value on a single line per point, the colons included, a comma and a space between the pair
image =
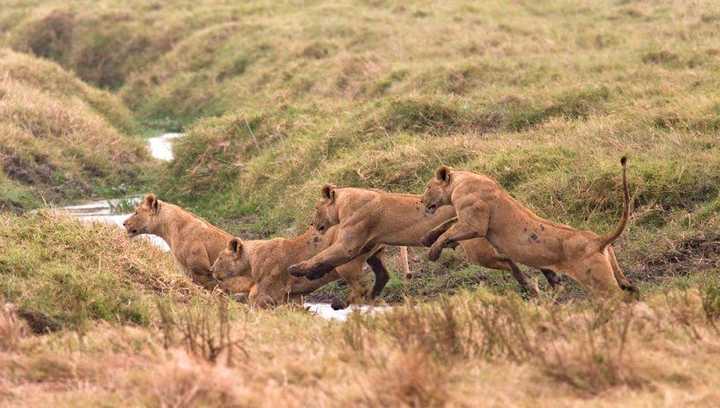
x: 367, y: 218
x: 195, y: 245
x: 266, y: 262
x: 486, y: 211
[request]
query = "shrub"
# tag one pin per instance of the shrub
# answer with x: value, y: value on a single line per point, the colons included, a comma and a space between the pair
x: 49, y: 36
x: 422, y: 116
x: 660, y: 57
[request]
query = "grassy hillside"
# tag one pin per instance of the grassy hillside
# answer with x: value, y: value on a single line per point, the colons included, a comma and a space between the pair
x: 545, y: 98
x: 278, y: 98
x: 61, y: 138
x: 64, y: 274
x: 541, y: 101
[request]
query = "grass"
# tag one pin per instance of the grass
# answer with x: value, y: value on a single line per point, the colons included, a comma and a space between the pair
x: 67, y: 275
x: 453, y: 351
x: 278, y: 98
x: 543, y: 103
x: 500, y: 89
x: 52, y: 124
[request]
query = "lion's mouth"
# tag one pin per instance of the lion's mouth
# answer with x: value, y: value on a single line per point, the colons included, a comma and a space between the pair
x: 133, y: 232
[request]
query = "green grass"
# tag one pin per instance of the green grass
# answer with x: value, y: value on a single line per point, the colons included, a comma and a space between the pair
x: 543, y: 97
x: 278, y: 98
x: 14, y: 197
x: 72, y: 274
x: 63, y: 139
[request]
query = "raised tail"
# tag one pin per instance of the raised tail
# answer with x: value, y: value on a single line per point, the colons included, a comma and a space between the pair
x: 609, y: 238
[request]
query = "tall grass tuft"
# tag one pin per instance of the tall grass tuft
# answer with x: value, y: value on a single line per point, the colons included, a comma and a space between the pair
x: 202, y: 334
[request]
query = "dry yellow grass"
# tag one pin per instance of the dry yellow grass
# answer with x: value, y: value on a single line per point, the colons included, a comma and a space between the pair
x: 471, y: 350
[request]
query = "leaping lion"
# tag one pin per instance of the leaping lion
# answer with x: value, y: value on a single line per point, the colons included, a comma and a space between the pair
x: 486, y: 211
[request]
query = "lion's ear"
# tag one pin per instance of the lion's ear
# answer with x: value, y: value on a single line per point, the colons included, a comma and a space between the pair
x: 328, y: 192
x: 443, y: 174
x: 152, y: 203
x: 235, y: 246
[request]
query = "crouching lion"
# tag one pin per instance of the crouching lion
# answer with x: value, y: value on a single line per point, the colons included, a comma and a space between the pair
x: 265, y: 263
x: 367, y: 218
x: 195, y: 244
x: 486, y: 211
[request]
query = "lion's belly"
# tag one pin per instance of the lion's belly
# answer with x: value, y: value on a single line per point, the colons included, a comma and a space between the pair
x: 410, y: 230
x: 530, y: 243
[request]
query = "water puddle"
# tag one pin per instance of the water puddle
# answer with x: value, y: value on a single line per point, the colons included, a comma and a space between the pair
x: 325, y: 311
x: 105, y: 212
x: 161, y: 146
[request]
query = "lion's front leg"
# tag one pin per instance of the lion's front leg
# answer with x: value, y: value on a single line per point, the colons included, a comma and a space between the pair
x: 436, y: 232
x: 348, y: 246
x: 310, y: 270
x: 198, y: 267
x: 473, y: 221
x: 458, y: 232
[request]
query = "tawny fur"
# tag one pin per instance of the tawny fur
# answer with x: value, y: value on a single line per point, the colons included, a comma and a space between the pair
x: 367, y: 218
x: 265, y: 262
x: 195, y: 244
x: 486, y: 211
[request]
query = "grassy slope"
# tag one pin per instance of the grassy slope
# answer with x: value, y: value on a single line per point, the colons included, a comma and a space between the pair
x: 544, y: 97
x: 52, y: 125
x: 72, y: 274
